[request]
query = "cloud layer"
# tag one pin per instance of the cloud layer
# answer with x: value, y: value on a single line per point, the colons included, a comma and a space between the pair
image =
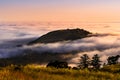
x: 103, y: 45
x: 13, y: 34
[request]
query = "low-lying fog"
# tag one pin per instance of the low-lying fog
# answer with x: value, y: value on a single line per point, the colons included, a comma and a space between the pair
x: 13, y: 35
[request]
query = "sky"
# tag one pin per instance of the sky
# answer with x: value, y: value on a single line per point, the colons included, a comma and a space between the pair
x: 12, y: 34
x: 60, y: 10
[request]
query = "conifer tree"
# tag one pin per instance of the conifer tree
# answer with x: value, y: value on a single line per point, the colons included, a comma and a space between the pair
x: 95, y: 62
x: 84, y: 61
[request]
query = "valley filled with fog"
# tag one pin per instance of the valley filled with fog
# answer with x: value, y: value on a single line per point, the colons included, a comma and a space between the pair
x: 14, y: 34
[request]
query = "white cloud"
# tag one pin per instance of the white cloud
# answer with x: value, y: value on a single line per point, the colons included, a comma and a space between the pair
x: 104, y: 46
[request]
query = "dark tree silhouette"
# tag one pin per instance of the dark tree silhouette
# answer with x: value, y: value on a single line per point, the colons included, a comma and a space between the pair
x: 84, y: 61
x: 95, y: 62
x: 58, y: 64
x: 113, y: 59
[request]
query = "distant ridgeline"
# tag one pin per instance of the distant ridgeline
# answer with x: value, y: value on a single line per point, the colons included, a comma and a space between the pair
x: 62, y: 35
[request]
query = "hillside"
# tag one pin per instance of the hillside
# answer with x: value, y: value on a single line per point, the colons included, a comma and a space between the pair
x: 36, y: 72
x: 62, y: 35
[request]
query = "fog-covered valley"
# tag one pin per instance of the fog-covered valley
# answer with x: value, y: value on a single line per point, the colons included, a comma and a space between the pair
x: 20, y: 34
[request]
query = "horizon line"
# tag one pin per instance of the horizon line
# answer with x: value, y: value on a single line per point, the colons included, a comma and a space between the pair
x: 56, y: 22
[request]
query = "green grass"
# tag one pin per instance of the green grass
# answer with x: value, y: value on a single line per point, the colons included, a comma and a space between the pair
x: 34, y: 72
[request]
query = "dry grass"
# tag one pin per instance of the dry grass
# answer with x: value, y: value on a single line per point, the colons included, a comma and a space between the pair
x: 32, y: 72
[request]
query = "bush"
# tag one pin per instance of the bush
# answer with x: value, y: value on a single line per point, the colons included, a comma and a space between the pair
x: 58, y: 64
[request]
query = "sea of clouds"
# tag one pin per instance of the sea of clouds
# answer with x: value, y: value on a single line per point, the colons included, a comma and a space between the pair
x: 104, y: 46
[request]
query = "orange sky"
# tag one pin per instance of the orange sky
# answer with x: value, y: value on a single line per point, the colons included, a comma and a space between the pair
x: 104, y: 11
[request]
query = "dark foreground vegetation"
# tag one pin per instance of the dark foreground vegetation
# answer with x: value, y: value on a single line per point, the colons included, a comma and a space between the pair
x: 88, y: 69
x: 35, y: 72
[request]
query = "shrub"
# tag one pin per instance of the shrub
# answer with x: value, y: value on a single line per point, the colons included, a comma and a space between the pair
x: 58, y: 64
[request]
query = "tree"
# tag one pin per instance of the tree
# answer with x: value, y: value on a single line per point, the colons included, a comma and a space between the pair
x: 113, y: 59
x: 84, y: 61
x: 95, y: 62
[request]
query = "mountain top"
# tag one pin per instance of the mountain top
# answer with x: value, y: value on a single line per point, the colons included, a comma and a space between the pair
x: 62, y: 35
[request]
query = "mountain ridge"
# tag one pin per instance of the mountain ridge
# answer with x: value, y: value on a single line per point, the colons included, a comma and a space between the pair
x: 62, y: 35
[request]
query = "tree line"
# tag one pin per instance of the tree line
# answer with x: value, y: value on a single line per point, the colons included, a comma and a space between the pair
x: 86, y: 62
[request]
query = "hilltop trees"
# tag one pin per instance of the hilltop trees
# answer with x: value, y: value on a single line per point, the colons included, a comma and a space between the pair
x: 84, y: 61
x: 95, y: 62
x: 113, y: 59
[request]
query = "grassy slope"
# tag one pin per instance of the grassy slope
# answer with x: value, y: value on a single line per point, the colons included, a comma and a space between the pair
x: 31, y: 72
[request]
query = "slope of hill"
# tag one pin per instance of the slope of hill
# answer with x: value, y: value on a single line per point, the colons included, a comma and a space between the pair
x: 36, y: 72
x: 62, y: 35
